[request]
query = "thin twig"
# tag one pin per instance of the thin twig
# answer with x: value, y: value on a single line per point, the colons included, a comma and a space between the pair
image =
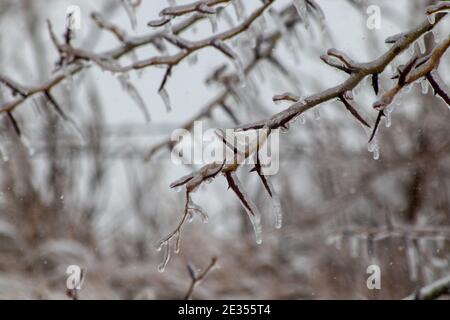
x: 197, y: 278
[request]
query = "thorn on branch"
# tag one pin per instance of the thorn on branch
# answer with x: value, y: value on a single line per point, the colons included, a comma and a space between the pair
x: 167, y: 74
x: 353, y: 111
x: 406, y: 70
x: 375, y: 83
x: 377, y: 124
x: 14, y: 124
x: 438, y: 86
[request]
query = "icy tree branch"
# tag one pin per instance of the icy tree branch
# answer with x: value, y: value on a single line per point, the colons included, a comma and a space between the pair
x: 432, y: 291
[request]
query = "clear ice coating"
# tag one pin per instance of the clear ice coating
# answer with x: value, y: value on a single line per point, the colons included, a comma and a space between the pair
x: 374, y: 148
x: 166, y: 99
x: 213, y: 21
x: 250, y: 208
x: 166, y: 258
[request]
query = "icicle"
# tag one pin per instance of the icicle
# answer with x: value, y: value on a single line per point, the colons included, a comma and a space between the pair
x: 134, y: 95
x: 316, y: 114
x: 4, y: 153
x: 376, y: 154
x: 302, y: 10
x: 411, y: 51
x: 338, y: 242
x: 238, y: 9
x: 249, y: 206
x: 166, y: 99
x: 177, y: 242
x: 354, y: 246
x: 213, y: 21
x: 26, y: 143
x: 276, y: 203
x: 192, y: 59
x: 407, y: 89
x: 239, y: 70
x: 166, y: 258
x: 437, y: 38
x: 397, y: 100
x: 424, y: 85
x: 277, y: 212
x: 422, y: 47
x: 431, y: 18
x: 226, y: 16
x: 412, y: 257
x: 131, y: 12
x: 388, y: 119
x: 373, y: 148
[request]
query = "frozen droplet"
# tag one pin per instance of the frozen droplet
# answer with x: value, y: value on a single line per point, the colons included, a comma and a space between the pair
x: 160, y: 244
x: 376, y: 154
x: 166, y: 99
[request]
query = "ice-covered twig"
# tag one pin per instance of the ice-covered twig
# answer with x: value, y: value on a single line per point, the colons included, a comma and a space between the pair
x: 366, y: 69
x: 115, y: 30
x: 287, y: 96
x: 341, y: 61
x: 432, y: 291
x: 411, y: 73
x: 196, y: 277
